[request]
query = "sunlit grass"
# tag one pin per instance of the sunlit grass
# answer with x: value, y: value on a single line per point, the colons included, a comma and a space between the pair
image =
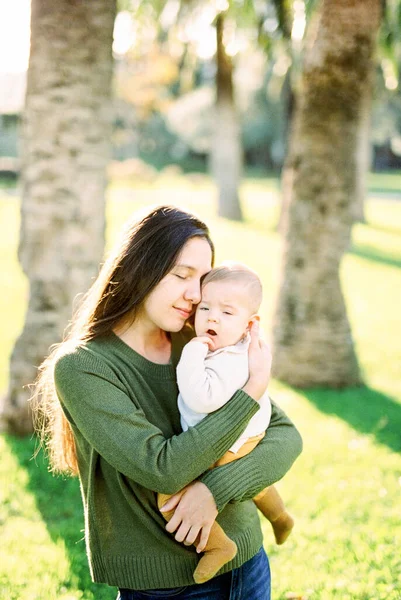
x: 42, y: 547
x: 344, y: 490
x: 385, y: 182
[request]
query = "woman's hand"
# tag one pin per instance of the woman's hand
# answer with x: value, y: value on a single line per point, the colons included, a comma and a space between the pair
x: 260, y: 362
x: 195, y: 513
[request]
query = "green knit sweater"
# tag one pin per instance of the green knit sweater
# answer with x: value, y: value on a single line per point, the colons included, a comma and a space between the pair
x: 123, y: 412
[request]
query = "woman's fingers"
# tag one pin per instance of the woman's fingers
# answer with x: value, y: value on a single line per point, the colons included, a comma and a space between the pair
x: 260, y: 361
x: 191, y: 536
x: 254, y: 333
x: 172, y: 502
x: 267, y: 352
x: 194, y: 515
x: 174, y: 522
x: 205, y: 531
x: 182, y: 532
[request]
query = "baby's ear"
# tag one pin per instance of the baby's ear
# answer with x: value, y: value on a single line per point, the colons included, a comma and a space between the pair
x: 252, y: 320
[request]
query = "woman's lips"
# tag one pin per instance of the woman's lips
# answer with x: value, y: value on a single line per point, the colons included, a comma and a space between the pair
x: 183, y: 312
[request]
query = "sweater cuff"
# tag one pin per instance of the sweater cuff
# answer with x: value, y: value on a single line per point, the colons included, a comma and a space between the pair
x: 226, y: 489
x: 231, y: 420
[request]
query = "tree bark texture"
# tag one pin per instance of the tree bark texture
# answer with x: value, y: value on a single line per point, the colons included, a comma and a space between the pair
x: 65, y: 149
x: 312, y: 336
x: 226, y: 151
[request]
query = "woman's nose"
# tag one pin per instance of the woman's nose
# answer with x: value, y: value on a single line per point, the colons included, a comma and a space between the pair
x: 193, y: 294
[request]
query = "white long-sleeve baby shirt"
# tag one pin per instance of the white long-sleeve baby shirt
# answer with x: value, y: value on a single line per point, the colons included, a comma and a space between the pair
x: 207, y: 380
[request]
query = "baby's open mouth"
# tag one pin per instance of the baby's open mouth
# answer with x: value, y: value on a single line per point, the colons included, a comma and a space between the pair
x: 211, y: 332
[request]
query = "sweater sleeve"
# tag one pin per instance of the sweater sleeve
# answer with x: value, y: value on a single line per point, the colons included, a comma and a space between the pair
x: 97, y: 405
x: 207, y: 384
x: 267, y: 463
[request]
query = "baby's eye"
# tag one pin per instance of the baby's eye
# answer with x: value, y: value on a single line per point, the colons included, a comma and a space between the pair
x: 226, y: 312
x: 203, y: 308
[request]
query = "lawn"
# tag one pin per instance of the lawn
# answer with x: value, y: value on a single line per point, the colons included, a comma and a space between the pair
x: 344, y: 490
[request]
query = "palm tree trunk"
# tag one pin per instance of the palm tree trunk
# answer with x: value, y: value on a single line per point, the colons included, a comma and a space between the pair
x: 312, y: 335
x: 66, y: 147
x: 226, y: 152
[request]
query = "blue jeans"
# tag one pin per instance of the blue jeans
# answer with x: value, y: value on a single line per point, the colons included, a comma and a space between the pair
x: 249, y: 582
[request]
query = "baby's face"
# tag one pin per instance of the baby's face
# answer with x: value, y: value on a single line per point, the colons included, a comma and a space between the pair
x: 224, y: 313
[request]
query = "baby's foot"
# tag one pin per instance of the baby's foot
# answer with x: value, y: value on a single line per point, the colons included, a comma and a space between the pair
x: 213, y: 560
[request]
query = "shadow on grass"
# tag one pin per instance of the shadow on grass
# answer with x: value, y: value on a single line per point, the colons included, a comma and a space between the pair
x: 365, y: 409
x: 372, y: 254
x: 59, y: 502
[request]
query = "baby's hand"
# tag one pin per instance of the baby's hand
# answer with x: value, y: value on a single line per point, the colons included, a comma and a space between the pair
x: 204, y: 339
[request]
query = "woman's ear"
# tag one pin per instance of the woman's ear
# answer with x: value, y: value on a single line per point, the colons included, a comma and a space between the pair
x: 253, y: 319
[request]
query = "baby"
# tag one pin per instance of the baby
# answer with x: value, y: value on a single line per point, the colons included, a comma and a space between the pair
x: 213, y: 366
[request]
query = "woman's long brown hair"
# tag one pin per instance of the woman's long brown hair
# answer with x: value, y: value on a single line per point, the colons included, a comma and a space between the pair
x: 146, y: 252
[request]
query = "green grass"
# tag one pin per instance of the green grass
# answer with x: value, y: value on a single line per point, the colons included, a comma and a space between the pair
x: 345, y: 488
x: 385, y: 182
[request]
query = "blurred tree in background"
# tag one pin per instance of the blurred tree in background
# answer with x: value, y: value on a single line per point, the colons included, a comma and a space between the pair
x: 313, y: 341
x: 226, y: 148
x: 66, y: 147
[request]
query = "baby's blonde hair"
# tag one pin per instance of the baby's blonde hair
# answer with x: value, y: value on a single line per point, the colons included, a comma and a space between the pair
x: 238, y: 272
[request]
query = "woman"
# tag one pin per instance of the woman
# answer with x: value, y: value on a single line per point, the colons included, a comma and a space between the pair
x: 108, y: 395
